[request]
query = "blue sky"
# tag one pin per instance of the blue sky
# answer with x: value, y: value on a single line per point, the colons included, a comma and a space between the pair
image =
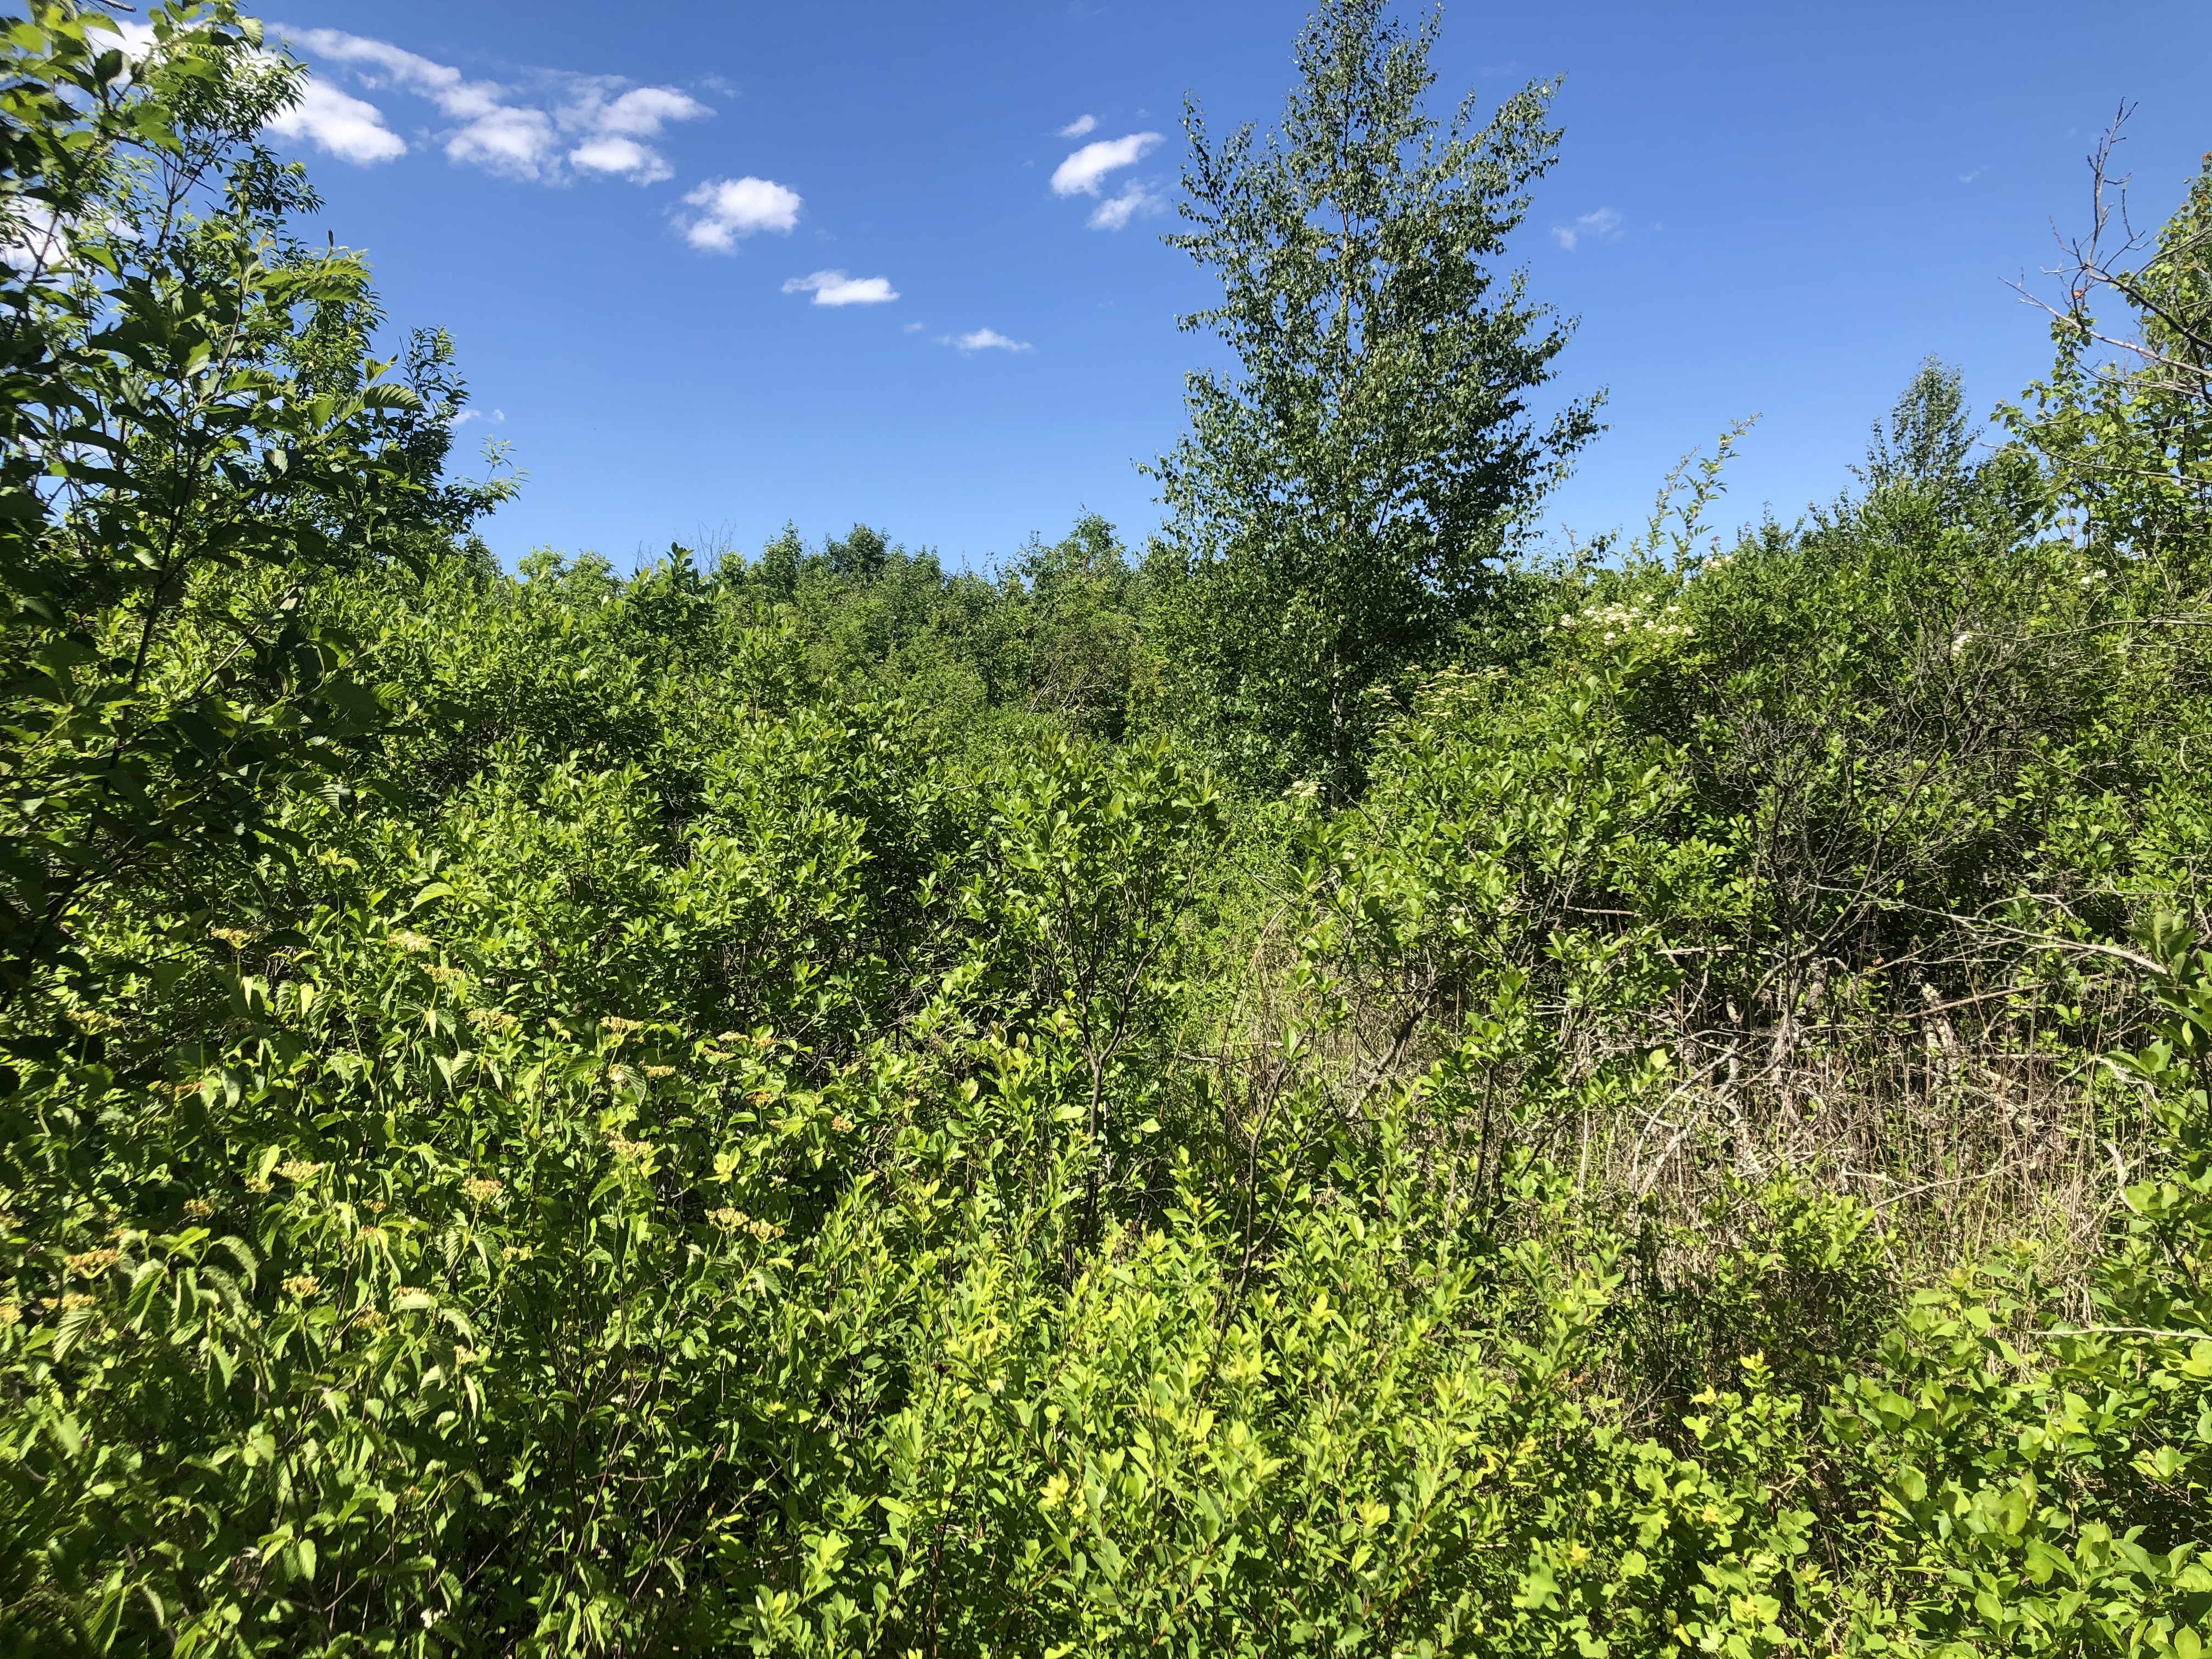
x: 666, y: 238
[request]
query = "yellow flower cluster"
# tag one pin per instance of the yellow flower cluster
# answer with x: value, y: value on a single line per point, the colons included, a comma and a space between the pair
x: 90, y: 1264
x: 298, y: 1168
x: 407, y: 939
x: 739, y: 1222
x: 625, y: 1147
x: 302, y: 1286
x: 481, y: 1189
x: 493, y: 1020
x: 199, y: 1209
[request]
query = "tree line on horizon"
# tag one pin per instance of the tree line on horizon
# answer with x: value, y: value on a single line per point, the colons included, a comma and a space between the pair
x: 1338, y: 1083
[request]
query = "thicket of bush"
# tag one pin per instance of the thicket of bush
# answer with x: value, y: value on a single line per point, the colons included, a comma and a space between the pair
x: 823, y: 1106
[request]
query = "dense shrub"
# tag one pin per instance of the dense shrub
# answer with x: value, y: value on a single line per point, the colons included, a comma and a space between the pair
x: 783, y: 1110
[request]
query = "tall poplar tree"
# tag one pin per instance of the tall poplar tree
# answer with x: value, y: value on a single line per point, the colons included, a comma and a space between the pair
x: 1341, y: 498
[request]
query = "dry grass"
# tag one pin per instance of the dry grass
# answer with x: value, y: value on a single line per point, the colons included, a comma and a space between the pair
x: 1966, y: 1122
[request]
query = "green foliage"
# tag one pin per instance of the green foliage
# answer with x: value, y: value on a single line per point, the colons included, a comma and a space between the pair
x: 2126, y: 417
x: 1339, y: 505
x: 1055, y: 634
x: 194, y: 431
x: 783, y: 1110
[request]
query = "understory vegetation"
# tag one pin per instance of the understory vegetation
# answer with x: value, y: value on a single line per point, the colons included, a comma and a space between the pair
x: 1338, y: 1083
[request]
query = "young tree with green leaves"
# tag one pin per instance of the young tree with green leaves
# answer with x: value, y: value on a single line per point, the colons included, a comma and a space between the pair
x: 193, y: 430
x: 2125, y: 419
x: 1341, y: 499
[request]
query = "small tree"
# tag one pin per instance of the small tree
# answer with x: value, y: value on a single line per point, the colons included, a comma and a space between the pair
x: 2124, y: 420
x: 1930, y: 440
x: 194, y: 433
x: 1340, y: 502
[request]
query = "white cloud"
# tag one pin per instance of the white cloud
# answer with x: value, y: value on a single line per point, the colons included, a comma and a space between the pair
x: 517, y: 142
x: 730, y: 209
x: 339, y: 125
x: 512, y: 140
x: 835, y: 287
x: 443, y: 85
x: 625, y: 158
x: 1604, y: 225
x: 1116, y: 211
x: 988, y: 339
x: 1078, y: 127
x: 617, y: 129
x: 39, y: 240
x: 509, y: 136
x: 1081, y: 174
x: 642, y: 111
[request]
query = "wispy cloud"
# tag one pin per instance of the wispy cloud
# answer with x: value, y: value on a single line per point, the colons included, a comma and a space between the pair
x: 835, y: 287
x: 1081, y: 174
x: 988, y: 339
x: 1604, y: 225
x: 517, y: 143
x: 507, y: 139
x: 349, y: 128
x: 1078, y: 127
x: 593, y: 128
x: 731, y: 209
x: 618, y: 128
x: 642, y: 111
x: 1116, y: 211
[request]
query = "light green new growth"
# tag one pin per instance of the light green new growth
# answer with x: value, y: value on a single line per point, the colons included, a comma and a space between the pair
x: 1347, y: 1088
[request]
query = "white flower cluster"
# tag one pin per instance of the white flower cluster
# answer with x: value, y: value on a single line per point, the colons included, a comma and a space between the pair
x: 1626, y: 622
